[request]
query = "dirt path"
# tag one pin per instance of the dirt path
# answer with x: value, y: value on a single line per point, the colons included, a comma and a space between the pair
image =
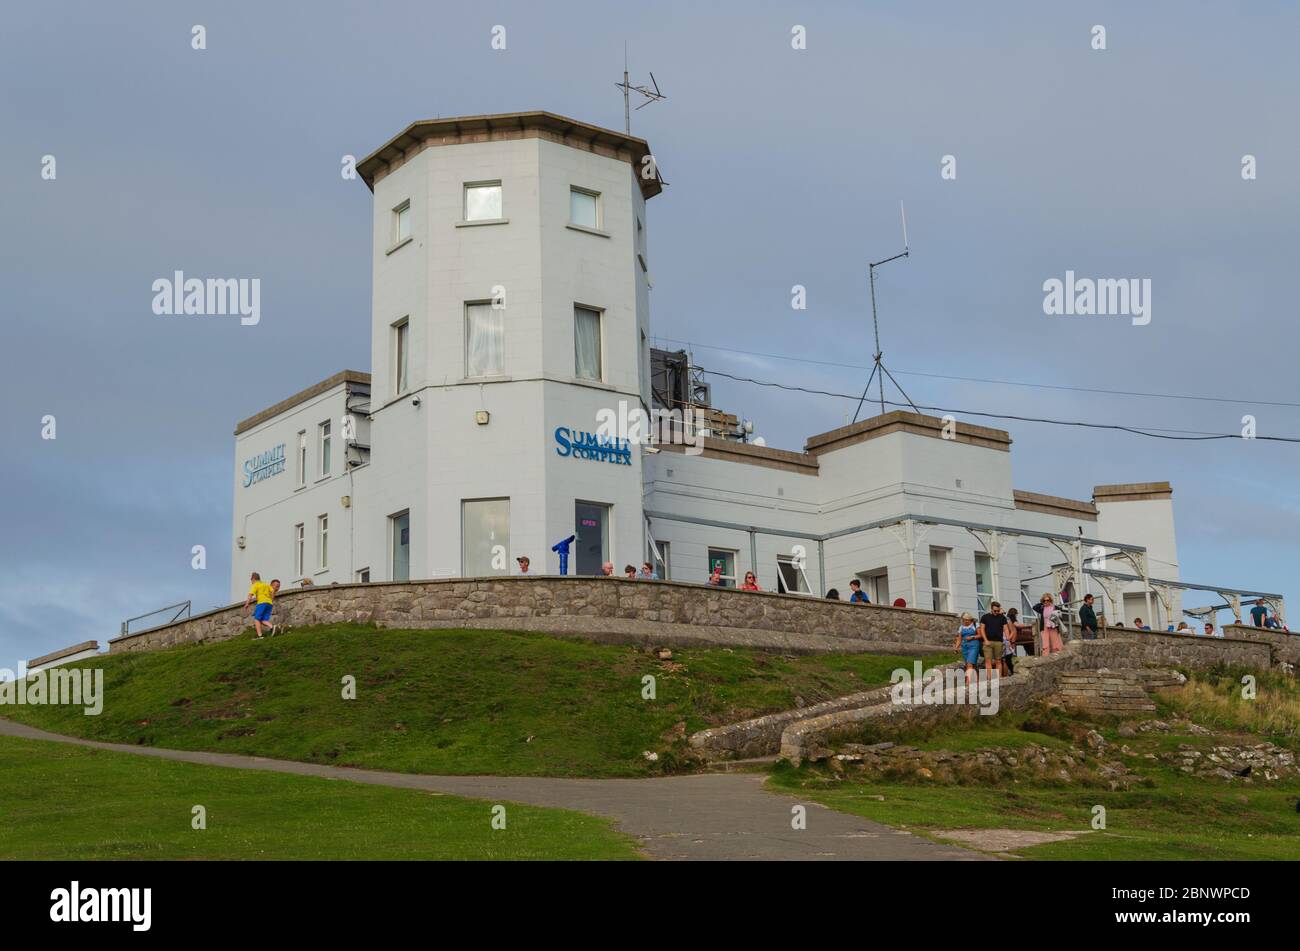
x: 711, y: 816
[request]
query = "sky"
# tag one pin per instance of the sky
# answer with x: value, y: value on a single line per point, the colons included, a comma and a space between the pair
x: 785, y: 167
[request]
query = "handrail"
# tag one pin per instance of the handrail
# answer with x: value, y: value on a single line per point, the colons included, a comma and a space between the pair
x: 183, y: 608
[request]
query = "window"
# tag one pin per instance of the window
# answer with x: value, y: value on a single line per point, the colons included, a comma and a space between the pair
x: 363, y: 575
x: 485, y: 330
x: 482, y: 201
x: 584, y: 208
x: 323, y: 445
x: 401, y: 355
x: 485, y: 537
x: 724, y: 558
x: 876, y: 584
x: 940, y: 578
x: 401, y: 532
x: 299, y: 549
x: 323, y: 540
x: 402, y: 223
x: 790, y: 576
x: 662, y: 564
x: 302, y: 458
x: 983, y: 582
x: 586, y: 343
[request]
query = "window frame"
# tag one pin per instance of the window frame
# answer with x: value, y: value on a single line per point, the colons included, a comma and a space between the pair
x: 728, y: 581
x: 393, y: 543
x: 323, y: 542
x: 300, y: 549
x: 302, y: 458
x: 465, y: 324
x: 401, y: 356
x: 940, y: 596
x: 597, y: 203
x: 983, y: 597
x: 401, y: 214
x: 464, y: 201
x: 600, y: 343
x: 324, y: 445
x: 801, y: 576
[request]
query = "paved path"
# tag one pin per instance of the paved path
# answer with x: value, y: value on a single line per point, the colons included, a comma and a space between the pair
x: 708, y: 816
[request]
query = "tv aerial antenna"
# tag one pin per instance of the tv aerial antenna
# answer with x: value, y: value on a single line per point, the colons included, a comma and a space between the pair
x: 651, y: 95
x: 878, y: 369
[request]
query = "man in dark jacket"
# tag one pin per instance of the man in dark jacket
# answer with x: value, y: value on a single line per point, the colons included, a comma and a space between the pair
x: 1088, y: 619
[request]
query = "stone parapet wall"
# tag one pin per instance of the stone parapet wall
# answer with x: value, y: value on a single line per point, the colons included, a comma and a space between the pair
x: 613, y: 609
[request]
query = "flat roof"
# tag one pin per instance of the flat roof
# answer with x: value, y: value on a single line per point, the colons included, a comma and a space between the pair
x: 316, y: 389
x: 1132, y: 492
x: 504, y: 126
x: 904, y: 421
x: 64, y: 652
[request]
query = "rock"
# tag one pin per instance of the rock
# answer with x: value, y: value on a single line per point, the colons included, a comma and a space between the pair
x: 664, y: 654
x: 1094, y: 739
x: 651, y: 757
x: 1127, y: 731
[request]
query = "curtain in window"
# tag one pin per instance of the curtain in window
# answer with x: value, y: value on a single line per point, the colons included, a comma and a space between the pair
x: 484, y: 340
x: 586, y: 343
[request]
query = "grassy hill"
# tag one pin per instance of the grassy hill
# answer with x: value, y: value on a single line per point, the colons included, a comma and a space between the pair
x: 450, y: 702
x: 66, y: 802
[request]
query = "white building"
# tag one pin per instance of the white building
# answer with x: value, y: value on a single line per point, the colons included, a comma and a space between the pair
x: 510, y: 308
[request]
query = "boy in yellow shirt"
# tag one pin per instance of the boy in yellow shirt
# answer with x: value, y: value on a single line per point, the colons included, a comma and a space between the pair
x: 261, y: 596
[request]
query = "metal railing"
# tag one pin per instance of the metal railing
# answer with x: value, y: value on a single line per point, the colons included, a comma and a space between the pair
x: 181, y: 608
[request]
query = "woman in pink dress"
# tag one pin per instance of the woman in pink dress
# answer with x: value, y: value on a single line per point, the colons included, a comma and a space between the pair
x: 1051, y: 637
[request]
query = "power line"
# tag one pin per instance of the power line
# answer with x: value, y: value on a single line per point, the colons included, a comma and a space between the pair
x: 1154, y: 432
x: 972, y: 379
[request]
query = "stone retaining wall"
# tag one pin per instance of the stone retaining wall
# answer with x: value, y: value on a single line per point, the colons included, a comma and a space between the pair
x: 612, y: 609
x: 1113, y: 692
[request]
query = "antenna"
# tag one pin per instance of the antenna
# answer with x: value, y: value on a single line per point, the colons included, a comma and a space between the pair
x: 878, y: 370
x: 651, y: 95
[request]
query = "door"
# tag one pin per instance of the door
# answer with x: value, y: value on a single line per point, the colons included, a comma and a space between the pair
x: 591, y: 525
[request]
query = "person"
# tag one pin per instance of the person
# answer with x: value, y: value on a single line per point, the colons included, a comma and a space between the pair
x: 969, y: 642
x: 306, y: 583
x: 856, y: 594
x: 1183, y: 628
x: 1088, y: 619
x: 265, y: 604
x: 1137, y: 622
x: 1013, y: 628
x: 1009, y: 651
x: 1210, y: 631
x: 1051, y: 631
x: 607, y: 569
x: 833, y: 594
x: 648, y: 572
x: 523, y: 563
x: 900, y: 603
x: 715, y: 576
x: 992, y: 628
x: 1259, y: 614
x: 562, y: 549
x: 629, y: 572
x: 751, y: 582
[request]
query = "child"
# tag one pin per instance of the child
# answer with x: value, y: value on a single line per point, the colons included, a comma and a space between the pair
x: 1009, y: 653
x: 265, y: 594
x: 970, y: 643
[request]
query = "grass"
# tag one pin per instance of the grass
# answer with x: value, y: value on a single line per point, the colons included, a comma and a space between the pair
x: 1166, y: 815
x: 1214, y: 699
x: 451, y: 702
x: 65, y: 802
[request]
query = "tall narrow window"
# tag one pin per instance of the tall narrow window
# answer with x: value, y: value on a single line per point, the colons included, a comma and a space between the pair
x: 401, y: 530
x: 723, y: 559
x: 401, y: 222
x: 940, y: 579
x: 586, y: 343
x: 983, y: 581
x: 302, y: 458
x: 485, y: 330
x: 323, y: 446
x: 401, y: 355
x: 483, y: 201
x: 485, y: 537
x: 584, y: 208
x: 299, y: 549
x: 323, y: 540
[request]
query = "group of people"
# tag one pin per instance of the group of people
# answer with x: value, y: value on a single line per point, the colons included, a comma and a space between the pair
x: 993, y: 638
